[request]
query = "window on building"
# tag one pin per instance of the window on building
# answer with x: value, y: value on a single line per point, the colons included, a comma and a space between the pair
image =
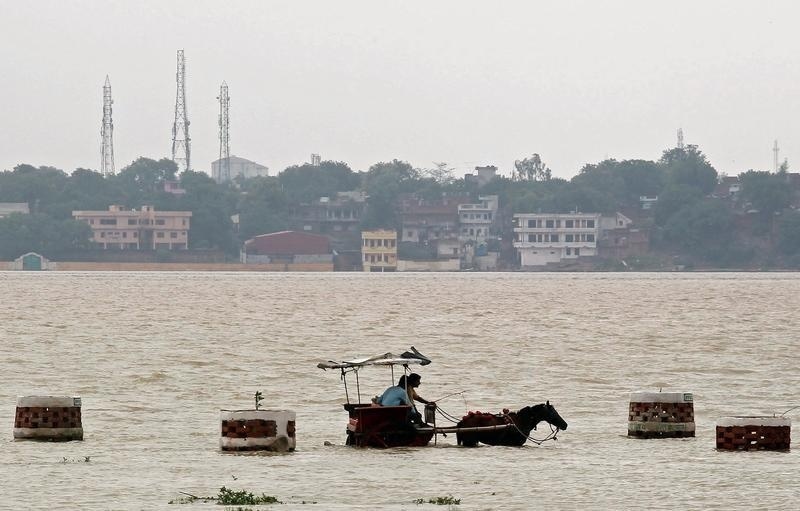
x: 184, y: 221
x: 409, y: 234
x: 472, y: 232
x: 577, y: 251
x: 558, y: 223
x: 366, y: 258
x: 135, y: 235
x: 532, y: 238
x: 549, y: 224
x: 569, y: 224
x: 124, y: 234
x: 160, y: 221
x: 531, y: 223
x: 568, y: 238
x: 131, y: 221
x: 102, y: 234
x: 569, y: 251
x: 159, y: 235
x: 173, y: 235
x: 554, y: 237
x: 108, y: 221
x: 590, y: 237
x: 590, y: 224
x: 455, y: 251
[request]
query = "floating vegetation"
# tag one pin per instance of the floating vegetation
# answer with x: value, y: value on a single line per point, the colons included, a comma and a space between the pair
x: 229, y: 497
x: 447, y: 500
x: 84, y: 459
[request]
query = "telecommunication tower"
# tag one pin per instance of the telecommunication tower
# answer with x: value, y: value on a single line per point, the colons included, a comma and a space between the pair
x: 107, y: 133
x: 224, y: 136
x: 181, y: 143
x: 775, y: 151
x: 680, y: 138
x: 315, y: 160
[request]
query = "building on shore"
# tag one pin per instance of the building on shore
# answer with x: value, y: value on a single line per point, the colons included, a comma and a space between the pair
x: 289, y: 248
x: 482, y: 175
x: 379, y: 250
x: 476, y: 221
x: 143, y: 229
x: 553, y: 238
x: 238, y: 167
x: 7, y: 208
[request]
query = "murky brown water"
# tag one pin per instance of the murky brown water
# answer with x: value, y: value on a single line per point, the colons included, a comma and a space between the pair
x: 156, y: 355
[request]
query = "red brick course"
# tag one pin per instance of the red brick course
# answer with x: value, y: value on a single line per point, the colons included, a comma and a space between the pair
x: 750, y: 438
x: 661, y: 413
x: 48, y: 417
x: 253, y: 428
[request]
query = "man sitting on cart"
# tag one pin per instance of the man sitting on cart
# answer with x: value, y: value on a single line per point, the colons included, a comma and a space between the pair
x: 404, y: 393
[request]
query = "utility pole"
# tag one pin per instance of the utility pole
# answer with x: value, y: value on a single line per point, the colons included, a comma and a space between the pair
x: 680, y: 138
x: 224, y: 136
x: 181, y: 143
x: 107, y: 133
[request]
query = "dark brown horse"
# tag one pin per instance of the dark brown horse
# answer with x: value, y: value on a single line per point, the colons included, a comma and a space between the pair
x: 519, y: 425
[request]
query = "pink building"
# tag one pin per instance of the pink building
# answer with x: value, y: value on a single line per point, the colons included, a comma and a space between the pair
x: 131, y: 229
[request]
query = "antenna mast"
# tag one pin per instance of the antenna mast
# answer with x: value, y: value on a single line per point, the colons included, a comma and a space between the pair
x: 224, y: 136
x: 181, y: 143
x: 680, y: 138
x: 775, y: 150
x: 107, y: 133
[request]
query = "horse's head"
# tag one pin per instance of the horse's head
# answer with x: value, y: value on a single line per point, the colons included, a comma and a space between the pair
x: 542, y: 412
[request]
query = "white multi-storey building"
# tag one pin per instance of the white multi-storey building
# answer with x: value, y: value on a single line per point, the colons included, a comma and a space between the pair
x: 476, y: 220
x: 552, y: 238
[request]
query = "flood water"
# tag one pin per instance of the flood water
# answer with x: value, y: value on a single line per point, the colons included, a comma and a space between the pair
x: 155, y: 356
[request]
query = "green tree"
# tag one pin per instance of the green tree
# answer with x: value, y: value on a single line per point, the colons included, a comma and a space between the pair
x: 383, y: 183
x: 306, y: 183
x: 40, y: 187
x: 263, y: 208
x: 789, y: 233
x: 689, y: 167
x: 765, y: 191
x: 142, y: 182
x: 703, y: 228
x: 212, y: 206
x: 673, y: 199
x: 39, y: 233
x: 531, y: 168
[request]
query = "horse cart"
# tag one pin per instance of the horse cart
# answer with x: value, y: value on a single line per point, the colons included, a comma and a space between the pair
x: 372, y: 425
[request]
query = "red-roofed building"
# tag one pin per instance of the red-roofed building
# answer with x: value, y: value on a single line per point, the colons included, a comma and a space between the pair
x: 288, y: 247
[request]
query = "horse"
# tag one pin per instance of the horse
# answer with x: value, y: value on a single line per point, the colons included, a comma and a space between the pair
x: 519, y: 425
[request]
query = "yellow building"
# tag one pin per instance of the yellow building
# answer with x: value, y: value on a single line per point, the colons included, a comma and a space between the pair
x: 379, y: 250
x: 131, y: 229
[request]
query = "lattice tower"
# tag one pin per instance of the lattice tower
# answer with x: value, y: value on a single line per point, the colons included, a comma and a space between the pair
x: 680, y: 138
x: 224, y: 134
x: 107, y: 133
x: 776, y: 151
x: 181, y: 143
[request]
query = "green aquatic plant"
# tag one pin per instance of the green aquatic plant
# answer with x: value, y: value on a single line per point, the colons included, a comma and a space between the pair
x: 447, y: 500
x: 228, y: 497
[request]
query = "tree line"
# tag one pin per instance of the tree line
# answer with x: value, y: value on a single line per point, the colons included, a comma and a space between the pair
x: 687, y: 221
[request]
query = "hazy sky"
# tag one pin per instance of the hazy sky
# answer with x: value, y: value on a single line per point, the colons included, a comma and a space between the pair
x: 468, y: 83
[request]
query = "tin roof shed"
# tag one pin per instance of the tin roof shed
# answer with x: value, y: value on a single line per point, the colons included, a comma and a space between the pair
x: 287, y: 243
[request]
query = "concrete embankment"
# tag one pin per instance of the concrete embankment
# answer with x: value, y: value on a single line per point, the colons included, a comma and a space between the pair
x: 107, y: 266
